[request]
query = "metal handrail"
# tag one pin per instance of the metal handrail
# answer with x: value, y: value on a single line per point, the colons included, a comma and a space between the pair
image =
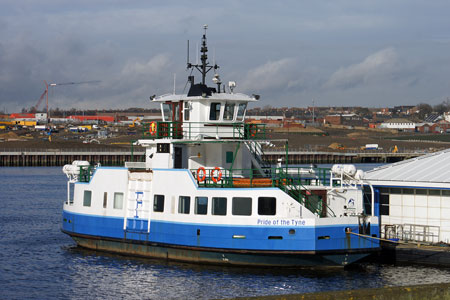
x: 292, y: 183
x: 193, y: 130
x: 76, y: 150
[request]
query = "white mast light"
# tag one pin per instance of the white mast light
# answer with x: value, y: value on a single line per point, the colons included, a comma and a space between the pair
x: 232, y: 85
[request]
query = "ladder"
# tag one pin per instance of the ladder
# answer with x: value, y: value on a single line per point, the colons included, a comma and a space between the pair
x: 257, y: 153
x: 137, y: 206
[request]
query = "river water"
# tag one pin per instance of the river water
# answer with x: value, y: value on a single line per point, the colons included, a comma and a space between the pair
x: 38, y: 261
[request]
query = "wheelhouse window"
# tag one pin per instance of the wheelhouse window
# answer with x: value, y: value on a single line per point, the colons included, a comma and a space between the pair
x: 118, y: 200
x: 158, y: 203
x: 87, y: 198
x: 219, y: 206
x: 187, y: 110
x: 241, y: 206
x: 201, y: 205
x: 184, y: 203
x: 228, y: 113
x: 267, y: 206
x: 241, y: 111
x: 214, y: 111
x: 167, y: 112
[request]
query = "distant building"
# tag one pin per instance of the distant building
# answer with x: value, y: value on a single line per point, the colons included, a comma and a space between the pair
x: 438, y: 127
x: 344, y: 119
x: 333, y: 119
x: 413, y: 196
x: 432, y: 118
x: 107, y: 119
x: 399, y: 124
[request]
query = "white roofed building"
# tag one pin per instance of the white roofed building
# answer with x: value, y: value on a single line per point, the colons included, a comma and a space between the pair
x: 399, y: 124
x: 413, y: 197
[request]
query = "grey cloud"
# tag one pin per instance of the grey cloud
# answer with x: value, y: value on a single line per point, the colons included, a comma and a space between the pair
x: 378, y: 66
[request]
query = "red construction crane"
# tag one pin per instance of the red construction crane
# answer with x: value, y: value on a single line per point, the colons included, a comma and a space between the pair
x: 45, y: 93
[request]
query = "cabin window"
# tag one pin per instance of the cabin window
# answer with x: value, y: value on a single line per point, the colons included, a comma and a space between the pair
x: 163, y: 148
x: 396, y: 190
x: 118, y: 200
x: 158, y: 203
x: 184, y: 203
x: 219, y: 206
x: 408, y: 191
x: 434, y: 192
x: 187, y: 108
x: 228, y: 113
x: 105, y: 199
x: 87, y: 198
x: 242, y: 206
x: 241, y: 111
x: 167, y: 112
x: 267, y: 206
x: 71, y: 192
x: 201, y: 205
x: 421, y: 191
x: 214, y: 111
x: 445, y: 193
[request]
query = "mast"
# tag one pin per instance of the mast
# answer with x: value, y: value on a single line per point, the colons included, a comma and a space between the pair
x: 204, y: 67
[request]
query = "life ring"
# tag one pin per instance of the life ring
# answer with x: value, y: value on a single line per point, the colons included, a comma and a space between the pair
x: 152, y: 128
x: 252, y: 130
x: 203, y: 177
x: 219, y: 174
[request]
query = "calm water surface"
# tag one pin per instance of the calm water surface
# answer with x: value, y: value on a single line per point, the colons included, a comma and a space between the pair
x: 38, y: 261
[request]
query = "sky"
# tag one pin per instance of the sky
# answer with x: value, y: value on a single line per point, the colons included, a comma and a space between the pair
x: 293, y: 53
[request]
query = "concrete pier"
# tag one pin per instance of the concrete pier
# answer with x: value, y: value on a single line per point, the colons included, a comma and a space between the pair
x: 316, y: 157
x: 58, y: 157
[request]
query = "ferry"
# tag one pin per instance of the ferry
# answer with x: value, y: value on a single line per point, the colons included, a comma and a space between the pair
x: 204, y: 194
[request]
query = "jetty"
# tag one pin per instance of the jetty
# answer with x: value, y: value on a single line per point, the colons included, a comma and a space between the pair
x: 350, y: 157
x: 118, y: 156
x: 60, y: 157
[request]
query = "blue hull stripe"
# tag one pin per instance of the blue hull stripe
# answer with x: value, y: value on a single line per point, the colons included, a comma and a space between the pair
x: 320, y: 238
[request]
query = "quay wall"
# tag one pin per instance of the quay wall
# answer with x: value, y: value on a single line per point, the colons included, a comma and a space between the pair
x: 316, y: 157
x: 413, y: 292
x: 60, y: 158
x: 27, y: 158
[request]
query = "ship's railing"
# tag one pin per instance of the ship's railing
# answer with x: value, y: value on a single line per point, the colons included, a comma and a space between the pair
x: 292, y: 181
x: 235, y: 178
x: 412, y: 232
x: 86, y: 173
x: 200, y: 130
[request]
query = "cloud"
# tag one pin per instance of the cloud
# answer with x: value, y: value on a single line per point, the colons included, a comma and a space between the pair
x: 272, y: 74
x: 378, y: 66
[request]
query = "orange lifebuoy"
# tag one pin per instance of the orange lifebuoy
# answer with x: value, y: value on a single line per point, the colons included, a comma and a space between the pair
x: 252, y: 130
x: 152, y: 128
x: 203, y: 177
x: 219, y: 174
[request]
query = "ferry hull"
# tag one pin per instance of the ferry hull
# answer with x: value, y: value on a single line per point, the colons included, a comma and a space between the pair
x: 291, y: 259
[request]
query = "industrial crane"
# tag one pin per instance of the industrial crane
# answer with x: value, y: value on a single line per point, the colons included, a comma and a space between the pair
x: 45, y: 93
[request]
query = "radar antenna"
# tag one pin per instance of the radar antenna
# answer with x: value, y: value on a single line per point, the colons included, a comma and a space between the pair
x: 204, y: 67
